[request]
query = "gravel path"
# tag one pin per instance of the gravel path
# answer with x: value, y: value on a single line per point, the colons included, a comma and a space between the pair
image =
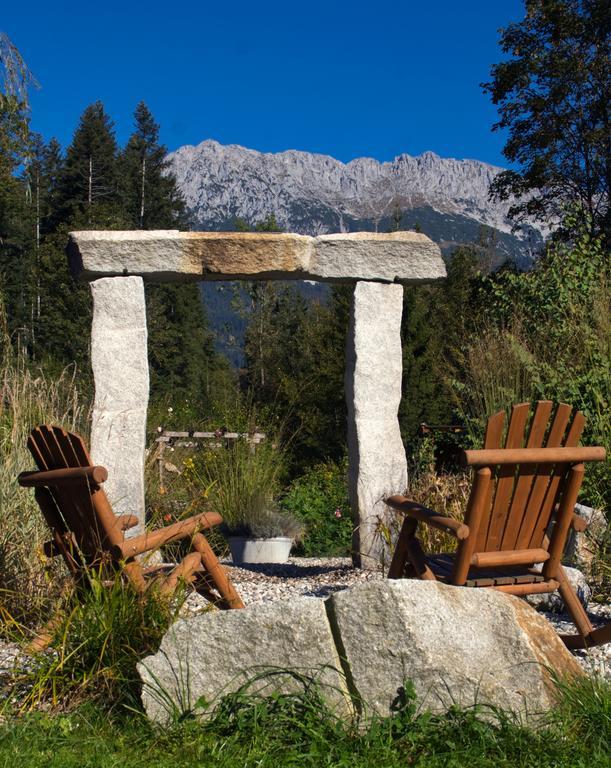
x: 313, y: 577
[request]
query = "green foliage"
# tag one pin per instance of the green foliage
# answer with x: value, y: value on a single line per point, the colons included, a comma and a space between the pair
x: 256, y: 732
x: 320, y: 500
x: 186, y: 373
x: 295, y: 365
x: 104, y: 629
x: 242, y: 483
x: 436, y: 321
x: 548, y: 336
x: 553, y: 92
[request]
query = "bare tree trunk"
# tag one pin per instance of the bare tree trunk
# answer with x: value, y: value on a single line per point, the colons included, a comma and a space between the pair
x: 90, y: 188
x: 36, y: 312
x: 142, y: 192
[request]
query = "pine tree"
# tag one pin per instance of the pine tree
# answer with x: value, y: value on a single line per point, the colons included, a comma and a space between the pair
x: 14, y: 146
x: 82, y: 193
x: 182, y: 360
x: 150, y: 195
x: 89, y: 187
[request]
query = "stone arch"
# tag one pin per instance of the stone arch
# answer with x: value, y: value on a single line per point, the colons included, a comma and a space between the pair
x: 117, y: 263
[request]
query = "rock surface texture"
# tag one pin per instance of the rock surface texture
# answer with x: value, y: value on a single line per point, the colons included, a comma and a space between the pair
x: 582, y: 548
x: 378, y: 466
x: 456, y: 645
x: 214, y: 654
x: 171, y: 255
x: 120, y: 369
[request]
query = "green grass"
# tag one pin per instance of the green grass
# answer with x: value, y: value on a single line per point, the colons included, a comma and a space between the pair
x: 101, y: 634
x: 297, y: 731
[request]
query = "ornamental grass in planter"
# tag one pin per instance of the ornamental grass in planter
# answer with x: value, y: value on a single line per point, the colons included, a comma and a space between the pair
x: 243, y: 483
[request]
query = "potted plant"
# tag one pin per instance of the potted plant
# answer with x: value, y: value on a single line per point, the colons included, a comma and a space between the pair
x: 242, y: 483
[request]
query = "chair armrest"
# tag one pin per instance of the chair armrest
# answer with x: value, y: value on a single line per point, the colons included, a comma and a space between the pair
x: 424, y: 515
x: 160, y: 536
x: 63, y: 476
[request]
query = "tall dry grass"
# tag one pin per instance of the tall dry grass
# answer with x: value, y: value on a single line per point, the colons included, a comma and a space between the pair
x: 28, y: 397
x: 499, y: 371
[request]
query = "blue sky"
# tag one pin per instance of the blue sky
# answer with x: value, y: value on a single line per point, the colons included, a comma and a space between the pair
x: 343, y: 78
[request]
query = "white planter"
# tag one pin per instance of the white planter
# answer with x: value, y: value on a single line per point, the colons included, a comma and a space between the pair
x: 245, y: 550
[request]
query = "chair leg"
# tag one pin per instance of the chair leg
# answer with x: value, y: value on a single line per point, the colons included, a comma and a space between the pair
x: 400, y: 555
x: 216, y: 572
x: 135, y: 576
x: 418, y: 560
x: 183, y: 571
x: 576, y: 612
x: 45, y: 634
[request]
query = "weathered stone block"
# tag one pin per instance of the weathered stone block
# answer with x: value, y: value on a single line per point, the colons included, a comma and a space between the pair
x: 388, y: 257
x: 120, y: 369
x: 171, y: 255
x: 456, y: 645
x: 377, y: 462
x: 213, y: 654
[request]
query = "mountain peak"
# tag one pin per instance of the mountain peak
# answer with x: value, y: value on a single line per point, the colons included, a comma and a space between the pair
x: 314, y: 193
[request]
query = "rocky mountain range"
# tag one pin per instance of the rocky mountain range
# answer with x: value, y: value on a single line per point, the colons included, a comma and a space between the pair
x: 313, y: 194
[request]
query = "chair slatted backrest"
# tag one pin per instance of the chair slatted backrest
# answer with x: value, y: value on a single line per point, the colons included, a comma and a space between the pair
x: 522, y: 498
x: 74, y: 510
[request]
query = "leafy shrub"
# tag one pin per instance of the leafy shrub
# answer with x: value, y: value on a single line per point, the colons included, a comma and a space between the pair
x: 547, y: 335
x: 320, y: 499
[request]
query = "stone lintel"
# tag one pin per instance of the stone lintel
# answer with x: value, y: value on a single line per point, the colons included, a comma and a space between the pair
x: 169, y: 255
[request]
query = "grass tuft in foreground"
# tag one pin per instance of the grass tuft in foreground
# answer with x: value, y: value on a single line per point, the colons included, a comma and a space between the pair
x: 247, y: 730
x: 100, y: 635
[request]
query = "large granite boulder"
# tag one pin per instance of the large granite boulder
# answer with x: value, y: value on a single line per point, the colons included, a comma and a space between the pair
x: 456, y: 646
x: 213, y: 654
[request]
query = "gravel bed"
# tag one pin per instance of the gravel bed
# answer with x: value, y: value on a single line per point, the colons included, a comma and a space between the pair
x: 314, y: 577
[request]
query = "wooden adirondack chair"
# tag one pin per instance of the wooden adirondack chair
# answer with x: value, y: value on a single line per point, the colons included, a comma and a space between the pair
x: 526, y: 483
x: 87, y: 534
